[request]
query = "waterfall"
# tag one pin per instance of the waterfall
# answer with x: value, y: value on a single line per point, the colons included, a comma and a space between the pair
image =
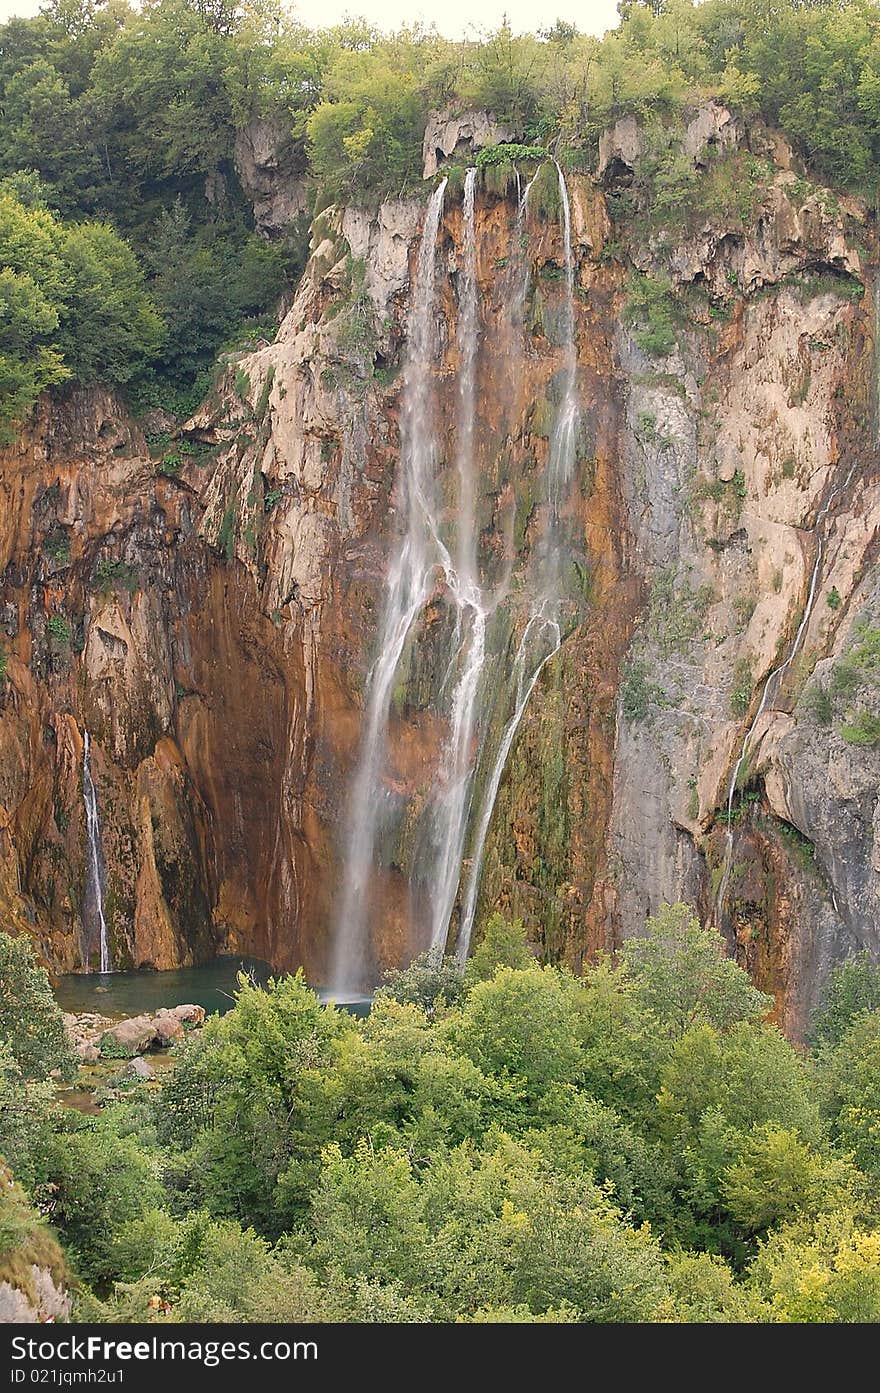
x: 478, y: 676
x: 407, y: 588
x: 467, y: 336
x: 452, y: 805
x: 525, y: 678
x: 563, y: 441
x: 544, y: 619
x: 95, y: 860
x: 774, y: 680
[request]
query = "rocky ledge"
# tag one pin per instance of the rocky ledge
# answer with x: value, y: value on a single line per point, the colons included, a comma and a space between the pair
x: 94, y: 1036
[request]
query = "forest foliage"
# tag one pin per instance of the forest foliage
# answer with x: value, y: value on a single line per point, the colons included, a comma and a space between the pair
x: 636, y: 1144
x: 118, y: 125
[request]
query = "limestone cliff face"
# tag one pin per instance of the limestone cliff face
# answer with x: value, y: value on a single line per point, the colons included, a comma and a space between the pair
x: 206, y: 606
x: 735, y: 446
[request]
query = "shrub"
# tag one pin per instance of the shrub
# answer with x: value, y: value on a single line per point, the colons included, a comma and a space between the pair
x: 863, y: 729
x: 652, y: 313
x: 741, y: 694
x: 59, y: 630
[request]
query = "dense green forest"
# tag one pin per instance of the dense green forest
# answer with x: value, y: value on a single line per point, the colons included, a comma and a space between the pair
x: 636, y: 1144
x: 116, y: 122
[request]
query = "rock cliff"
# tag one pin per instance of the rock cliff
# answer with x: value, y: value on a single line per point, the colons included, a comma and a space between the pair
x: 204, y: 605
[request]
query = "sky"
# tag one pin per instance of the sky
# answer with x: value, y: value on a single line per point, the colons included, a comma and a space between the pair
x: 454, y: 18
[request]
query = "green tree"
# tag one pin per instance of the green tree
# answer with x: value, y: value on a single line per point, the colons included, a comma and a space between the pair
x: 853, y: 986
x: 31, y: 1023
x: 502, y: 943
x: 425, y: 983
x: 705, y: 1291
x: 849, y: 1077
x: 111, y: 328
x: 91, y: 1182
x: 366, y: 133
x: 825, y: 1272
x: 242, y: 1106
x: 682, y: 973
x: 46, y: 129
x: 523, y: 1025
x: 776, y: 1176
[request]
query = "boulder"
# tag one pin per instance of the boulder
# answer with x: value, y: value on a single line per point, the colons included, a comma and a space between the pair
x: 131, y: 1036
x: 189, y: 1014
x: 87, y: 1052
x: 139, y: 1068
x: 449, y: 132
x: 85, y: 1028
x: 167, y: 1027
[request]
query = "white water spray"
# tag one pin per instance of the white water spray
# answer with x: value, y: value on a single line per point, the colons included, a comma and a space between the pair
x: 95, y: 861
x: 467, y: 339
x: 526, y: 675
x: 407, y: 588
x: 450, y: 813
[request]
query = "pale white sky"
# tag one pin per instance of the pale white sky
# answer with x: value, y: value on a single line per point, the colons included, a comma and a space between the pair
x: 454, y: 18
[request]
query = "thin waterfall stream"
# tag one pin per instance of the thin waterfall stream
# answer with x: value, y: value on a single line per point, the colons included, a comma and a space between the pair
x: 95, y: 862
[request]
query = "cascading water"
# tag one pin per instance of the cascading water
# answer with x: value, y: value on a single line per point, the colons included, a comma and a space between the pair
x: 774, y: 681
x: 564, y: 438
x: 407, y: 588
x: 542, y: 635
x: 526, y: 672
x: 95, y: 859
x: 450, y: 813
x: 467, y: 338
x: 423, y: 565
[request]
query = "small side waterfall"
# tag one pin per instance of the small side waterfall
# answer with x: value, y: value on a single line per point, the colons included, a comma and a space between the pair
x: 482, y: 675
x: 774, y: 679
x: 95, y: 859
x: 564, y: 438
x: 467, y: 338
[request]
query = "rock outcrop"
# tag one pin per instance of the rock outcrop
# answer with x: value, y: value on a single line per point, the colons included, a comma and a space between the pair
x: 460, y: 133
x: 91, y: 1034
x: 272, y: 169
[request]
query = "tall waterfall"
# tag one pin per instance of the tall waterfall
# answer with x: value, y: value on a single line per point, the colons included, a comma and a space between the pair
x: 407, y: 587
x: 467, y: 337
x: 482, y: 673
x: 774, y: 679
x: 542, y: 635
x: 450, y: 813
x: 95, y: 858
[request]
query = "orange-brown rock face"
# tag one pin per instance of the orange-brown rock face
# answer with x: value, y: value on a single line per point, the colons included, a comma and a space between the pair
x: 208, y: 610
